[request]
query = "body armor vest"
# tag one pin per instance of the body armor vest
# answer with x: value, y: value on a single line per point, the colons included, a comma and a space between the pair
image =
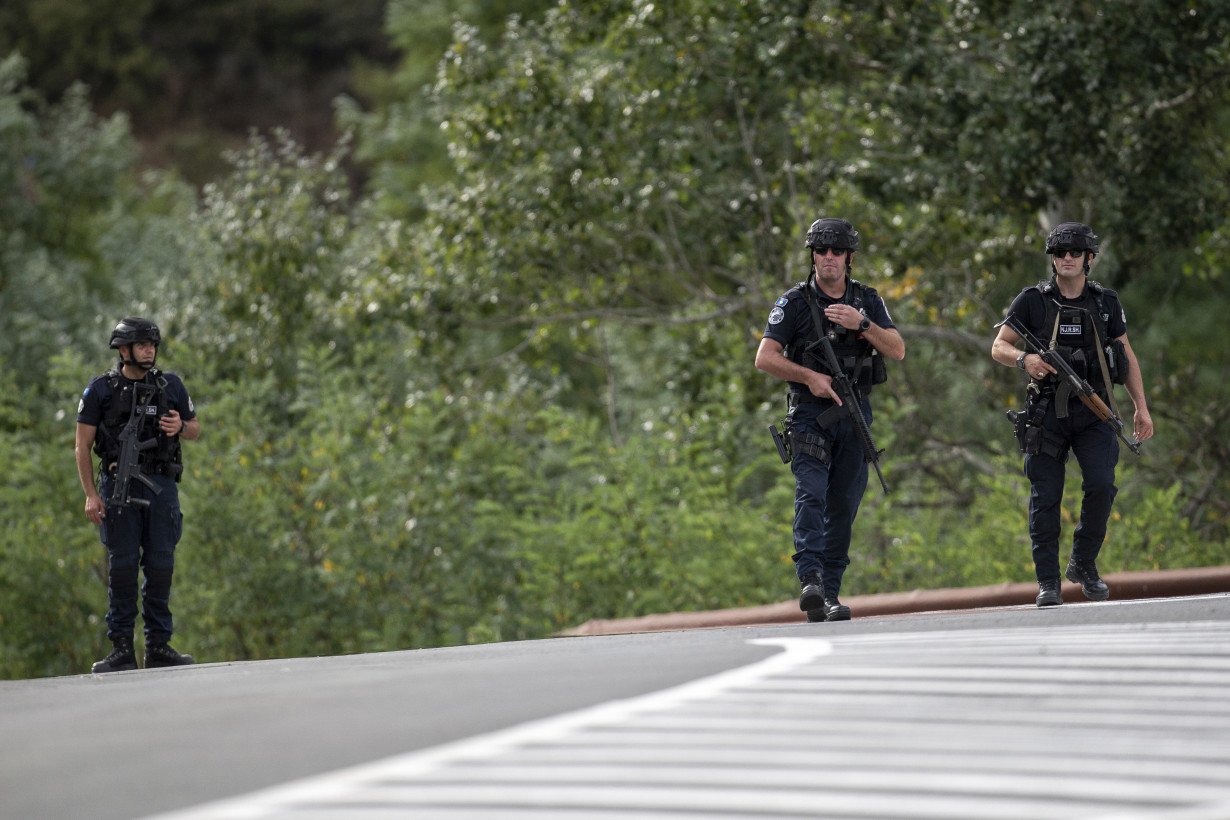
x: 1076, y: 337
x: 107, y: 445
x: 861, y: 362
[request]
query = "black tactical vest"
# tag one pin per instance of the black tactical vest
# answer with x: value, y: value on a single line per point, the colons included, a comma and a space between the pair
x: 861, y: 362
x: 1072, y: 328
x: 119, y: 410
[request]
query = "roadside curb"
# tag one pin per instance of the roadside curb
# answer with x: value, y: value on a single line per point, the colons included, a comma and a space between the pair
x: 1124, y: 586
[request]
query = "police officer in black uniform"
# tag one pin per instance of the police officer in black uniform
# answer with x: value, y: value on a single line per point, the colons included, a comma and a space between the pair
x: 827, y: 459
x: 140, y: 535
x: 1086, y: 324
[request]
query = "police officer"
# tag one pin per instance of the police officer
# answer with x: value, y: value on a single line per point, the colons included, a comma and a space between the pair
x: 140, y: 534
x: 1086, y: 324
x: 828, y: 462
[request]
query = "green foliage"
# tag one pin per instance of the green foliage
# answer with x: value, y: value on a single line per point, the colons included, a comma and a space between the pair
x: 267, y: 242
x: 197, y: 77
x: 400, y: 139
x: 510, y: 388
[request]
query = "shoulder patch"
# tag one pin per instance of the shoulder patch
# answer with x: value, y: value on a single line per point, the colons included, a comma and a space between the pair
x: 782, y: 302
x: 776, y: 315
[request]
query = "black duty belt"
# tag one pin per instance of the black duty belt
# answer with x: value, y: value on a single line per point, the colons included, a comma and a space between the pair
x: 157, y: 468
x: 807, y: 398
x: 826, y: 419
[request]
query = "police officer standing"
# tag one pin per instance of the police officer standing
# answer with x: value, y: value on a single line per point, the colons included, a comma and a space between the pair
x: 141, y: 530
x: 827, y: 457
x: 1086, y: 325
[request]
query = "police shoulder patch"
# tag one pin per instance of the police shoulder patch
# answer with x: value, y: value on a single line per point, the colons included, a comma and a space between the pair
x: 776, y: 315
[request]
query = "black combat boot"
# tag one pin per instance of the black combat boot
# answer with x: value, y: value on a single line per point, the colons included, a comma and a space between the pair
x: 121, y: 659
x: 163, y: 654
x: 835, y: 610
x: 1048, y: 593
x: 1085, y: 573
x: 811, y: 596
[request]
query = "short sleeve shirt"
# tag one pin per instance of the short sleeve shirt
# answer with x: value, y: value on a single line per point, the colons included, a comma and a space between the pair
x: 790, y: 321
x: 1029, y: 308
x: 96, y: 399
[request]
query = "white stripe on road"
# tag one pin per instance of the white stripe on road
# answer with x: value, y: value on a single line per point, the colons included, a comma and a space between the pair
x: 979, y: 723
x: 343, y: 783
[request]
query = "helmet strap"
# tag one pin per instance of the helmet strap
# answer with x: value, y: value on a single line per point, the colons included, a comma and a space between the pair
x: 1084, y: 268
x: 811, y: 262
x: 131, y: 361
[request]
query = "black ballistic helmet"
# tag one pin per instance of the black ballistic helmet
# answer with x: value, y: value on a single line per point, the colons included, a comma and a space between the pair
x: 134, y: 329
x: 827, y: 232
x: 1072, y: 236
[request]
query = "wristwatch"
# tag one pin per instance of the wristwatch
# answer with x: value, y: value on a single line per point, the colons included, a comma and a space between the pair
x: 1020, y: 361
x: 863, y: 325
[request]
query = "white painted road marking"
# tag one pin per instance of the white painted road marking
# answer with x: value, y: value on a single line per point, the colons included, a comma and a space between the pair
x: 1122, y: 721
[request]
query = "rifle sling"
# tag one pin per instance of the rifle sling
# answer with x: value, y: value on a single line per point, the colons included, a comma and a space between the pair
x: 818, y: 320
x: 1063, y: 392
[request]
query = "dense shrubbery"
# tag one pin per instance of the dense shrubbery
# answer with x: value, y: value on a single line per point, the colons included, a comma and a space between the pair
x: 525, y: 398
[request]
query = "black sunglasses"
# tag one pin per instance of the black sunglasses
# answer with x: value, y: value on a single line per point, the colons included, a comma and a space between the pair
x: 824, y: 249
x: 1064, y: 252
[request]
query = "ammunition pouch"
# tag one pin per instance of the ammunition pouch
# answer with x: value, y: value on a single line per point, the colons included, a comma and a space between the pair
x: 792, y: 441
x: 879, y: 372
x: 1116, y: 361
x: 1032, y: 437
x: 1075, y: 357
x: 812, y: 444
x: 864, y: 371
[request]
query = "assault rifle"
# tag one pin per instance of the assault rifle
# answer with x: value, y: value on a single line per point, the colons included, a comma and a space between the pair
x: 127, y: 467
x: 1083, y: 390
x: 850, y: 401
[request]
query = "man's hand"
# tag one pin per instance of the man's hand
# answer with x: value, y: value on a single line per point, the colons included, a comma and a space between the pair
x: 1142, y: 425
x: 1038, y: 367
x: 171, y: 423
x: 844, y: 315
x: 95, y: 510
x: 821, y: 386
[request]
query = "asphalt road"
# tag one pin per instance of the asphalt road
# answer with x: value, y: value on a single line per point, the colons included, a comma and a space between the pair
x: 1115, y: 709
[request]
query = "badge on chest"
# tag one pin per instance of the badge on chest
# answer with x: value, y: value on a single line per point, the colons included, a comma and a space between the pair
x: 1071, y: 327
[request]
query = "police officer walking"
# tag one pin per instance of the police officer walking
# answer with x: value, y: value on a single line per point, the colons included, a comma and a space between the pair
x: 141, y: 529
x: 827, y: 457
x: 1085, y: 323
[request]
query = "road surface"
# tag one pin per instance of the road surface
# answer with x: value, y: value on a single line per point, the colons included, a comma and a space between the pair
x: 1097, y: 710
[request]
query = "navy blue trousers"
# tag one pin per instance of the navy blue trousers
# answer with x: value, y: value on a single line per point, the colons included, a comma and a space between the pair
x: 1096, y: 448
x: 826, y: 496
x: 141, y: 539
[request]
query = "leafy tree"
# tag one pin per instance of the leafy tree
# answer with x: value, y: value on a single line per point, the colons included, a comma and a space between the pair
x: 502, y: 395
x: 400, y: 140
